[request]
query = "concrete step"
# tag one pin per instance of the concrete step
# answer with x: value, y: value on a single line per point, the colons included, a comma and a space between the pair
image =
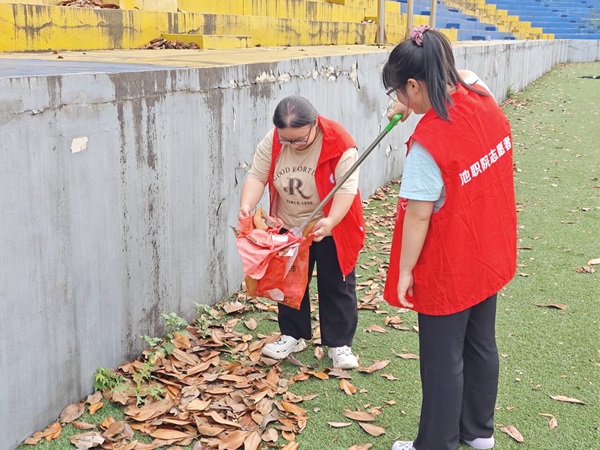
x: 285, y: 9
x: 211, y: 42
x: 146, y: 5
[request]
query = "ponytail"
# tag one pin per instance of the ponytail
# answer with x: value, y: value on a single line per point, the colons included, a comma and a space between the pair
x: 426, y: 56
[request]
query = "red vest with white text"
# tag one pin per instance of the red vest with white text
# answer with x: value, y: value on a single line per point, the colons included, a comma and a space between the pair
x: 470, y: 249
x: 349, y: 234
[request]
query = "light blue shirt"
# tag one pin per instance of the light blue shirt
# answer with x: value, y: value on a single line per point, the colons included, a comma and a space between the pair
x: 422, y: 178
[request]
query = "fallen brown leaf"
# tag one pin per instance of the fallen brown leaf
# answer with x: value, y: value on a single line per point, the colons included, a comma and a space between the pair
x: 83, y: 425
x: 94, y: 398
x: 92, y: 409
x: 293, y: 445
x: 198, y: 405
x: 377, y: 365
x: 149, y: 411
x: 552, y: 305
x: 406, y: 355
x: 339, y: 424
x: 562, y: 398
x: 513, y: 433
x: 295, y: 361
x: 71, y: 413
x: 233, y: 440
x: 252, y: 441
x: 107, y: 422
x: 270, y: 435
x: 372, y: 429
x: 340, y: 373
x: 293, y: 409
x: 48, y: 434
x: 288, y: 435
x: 251, y: 324
x: 347, y: 387
x: 320, y: 375
x: 88, y: 440
x: 209, y: 430
x: 118, y: 431
x: 214, y: 415
x: 389, y: 376
x: 359, y: 416
x: 169, y: 434
x: 199, y: 446
x: 55, y: 431
x: 181, y: 340
x: 233, y: 307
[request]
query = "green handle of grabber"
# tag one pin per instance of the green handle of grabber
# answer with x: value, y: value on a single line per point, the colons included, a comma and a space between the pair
x: 397, y: 118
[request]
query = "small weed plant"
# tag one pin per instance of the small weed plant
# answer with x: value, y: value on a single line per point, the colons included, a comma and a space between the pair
x: 106, y: 379
x: 174, y: 325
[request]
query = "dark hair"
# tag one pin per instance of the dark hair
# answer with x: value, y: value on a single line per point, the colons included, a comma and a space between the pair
x: 431, y: 61
x: 294, y: 112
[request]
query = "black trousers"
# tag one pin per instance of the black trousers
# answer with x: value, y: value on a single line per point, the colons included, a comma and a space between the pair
x: 459, y: 376
x: 338, y: 311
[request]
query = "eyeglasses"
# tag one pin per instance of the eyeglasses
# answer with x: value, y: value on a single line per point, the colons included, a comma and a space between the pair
x: 297, y: 141
x: 392, y: 93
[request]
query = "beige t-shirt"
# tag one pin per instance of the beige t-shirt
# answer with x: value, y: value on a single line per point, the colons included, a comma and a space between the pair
x: 294, y: 177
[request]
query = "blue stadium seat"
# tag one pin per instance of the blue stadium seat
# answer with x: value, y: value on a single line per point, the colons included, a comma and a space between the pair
x: 566, y: 19
x: 470, y: 28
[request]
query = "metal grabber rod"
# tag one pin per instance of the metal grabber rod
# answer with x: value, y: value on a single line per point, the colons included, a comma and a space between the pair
x: 297, y: 231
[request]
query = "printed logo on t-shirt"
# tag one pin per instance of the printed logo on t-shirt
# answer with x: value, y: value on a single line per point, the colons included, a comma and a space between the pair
x: 294, y: 188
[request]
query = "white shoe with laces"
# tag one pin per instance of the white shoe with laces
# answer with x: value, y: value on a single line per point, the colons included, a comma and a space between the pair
x: 403, y: 445
x: 343, y: 358
x: 481, y: 443
x: 284, y: 346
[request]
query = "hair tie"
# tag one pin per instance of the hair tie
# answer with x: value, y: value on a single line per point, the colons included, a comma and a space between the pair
x: 416, y: 34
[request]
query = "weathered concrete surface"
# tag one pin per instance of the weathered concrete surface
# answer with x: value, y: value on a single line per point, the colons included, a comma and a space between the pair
x: 118, y: 187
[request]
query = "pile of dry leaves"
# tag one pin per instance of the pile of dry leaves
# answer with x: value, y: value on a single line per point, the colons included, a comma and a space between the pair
x: 215, y: 388
x: 94, y: 4
x: 162, y: 43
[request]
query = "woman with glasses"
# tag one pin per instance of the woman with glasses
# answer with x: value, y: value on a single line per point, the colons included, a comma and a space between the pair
x: 300, y: 160
x: 454, y: 243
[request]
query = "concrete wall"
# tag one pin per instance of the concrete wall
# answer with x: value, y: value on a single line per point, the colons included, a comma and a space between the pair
x: 100, y: 238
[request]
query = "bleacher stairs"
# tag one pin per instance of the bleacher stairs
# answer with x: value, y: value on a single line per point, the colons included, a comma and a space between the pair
x: 565, y: 19
x: 41, y: 25
x: 505, y: 22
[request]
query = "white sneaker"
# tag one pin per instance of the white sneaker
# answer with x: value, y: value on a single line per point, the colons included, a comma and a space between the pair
x: 282, y: 347
x: 403, y: 445
x: 342, y: 357
x: 481, y: 443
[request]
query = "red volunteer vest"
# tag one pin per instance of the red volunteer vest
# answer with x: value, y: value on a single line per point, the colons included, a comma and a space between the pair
x: 470, y: 249
x: 349, y: 234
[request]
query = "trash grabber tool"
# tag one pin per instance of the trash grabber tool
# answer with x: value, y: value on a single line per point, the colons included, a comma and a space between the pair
x: 297, y: 231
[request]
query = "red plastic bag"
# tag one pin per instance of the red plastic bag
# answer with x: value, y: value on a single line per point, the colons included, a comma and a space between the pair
x: 275, y: 265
